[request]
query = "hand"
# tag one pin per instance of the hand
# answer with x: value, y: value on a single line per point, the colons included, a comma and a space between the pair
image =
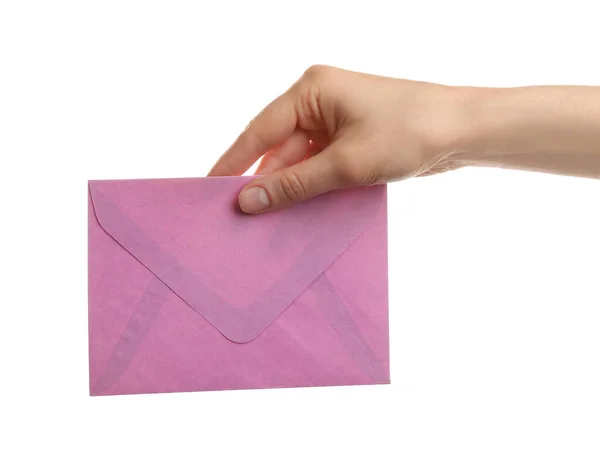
x: 334, y: 129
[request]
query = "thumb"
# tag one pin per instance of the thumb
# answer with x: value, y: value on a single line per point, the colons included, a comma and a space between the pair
x: 289, y: 186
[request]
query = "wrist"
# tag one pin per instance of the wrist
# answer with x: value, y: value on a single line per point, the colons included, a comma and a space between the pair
x: 538, y: 128
x: 460, y: 126
x: 480, y: 123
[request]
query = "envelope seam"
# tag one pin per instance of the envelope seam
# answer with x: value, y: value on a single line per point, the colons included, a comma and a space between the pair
x: 349, y: 333
x: 131, y: 337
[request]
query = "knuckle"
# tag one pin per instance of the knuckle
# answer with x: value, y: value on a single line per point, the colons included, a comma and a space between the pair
x: 308, y: 107
x: 257, y: 142
x: 292, y: 188
x: 317, y: 72
x: 351, y: 171
x: 313, y: 72
x: 252, y: 140
x: 315, y: 97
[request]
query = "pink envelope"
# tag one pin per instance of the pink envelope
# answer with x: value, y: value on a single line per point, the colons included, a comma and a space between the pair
x: 187, y: 293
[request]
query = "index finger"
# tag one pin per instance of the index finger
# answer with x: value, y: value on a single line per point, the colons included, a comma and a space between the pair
x: 273, y: 125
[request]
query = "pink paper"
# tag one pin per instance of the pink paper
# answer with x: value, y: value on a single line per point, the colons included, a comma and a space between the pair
x: 186, y: 293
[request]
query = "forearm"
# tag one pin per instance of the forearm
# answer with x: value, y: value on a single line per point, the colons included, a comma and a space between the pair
x: 550, y: 129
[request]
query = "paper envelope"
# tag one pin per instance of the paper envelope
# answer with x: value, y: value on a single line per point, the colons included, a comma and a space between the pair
x: 187, y: 293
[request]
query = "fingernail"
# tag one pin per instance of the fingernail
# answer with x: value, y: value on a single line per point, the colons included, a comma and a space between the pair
x: 254, y: 199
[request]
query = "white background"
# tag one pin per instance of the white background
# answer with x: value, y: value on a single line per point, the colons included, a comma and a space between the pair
x: 494, y: 275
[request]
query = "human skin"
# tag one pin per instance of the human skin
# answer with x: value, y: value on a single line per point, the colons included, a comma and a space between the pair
x: 335, y: 129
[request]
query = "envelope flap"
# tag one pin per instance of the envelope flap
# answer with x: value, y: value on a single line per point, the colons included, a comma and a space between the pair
x: 238, y: 271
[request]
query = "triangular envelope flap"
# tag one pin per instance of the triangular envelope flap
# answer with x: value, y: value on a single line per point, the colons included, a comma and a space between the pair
x: 236, y: 270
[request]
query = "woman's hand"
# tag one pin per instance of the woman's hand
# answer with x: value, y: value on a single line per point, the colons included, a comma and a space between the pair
x: 335, y: 128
